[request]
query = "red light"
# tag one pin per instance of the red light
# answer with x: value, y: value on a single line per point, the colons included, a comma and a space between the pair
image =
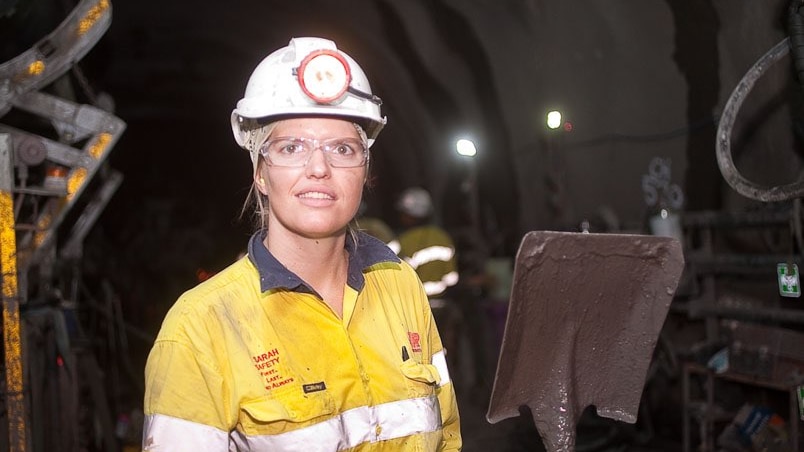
x: 59, y: 361
x: 203, y: 275
x: 567, y: 127
x: 56, y: 171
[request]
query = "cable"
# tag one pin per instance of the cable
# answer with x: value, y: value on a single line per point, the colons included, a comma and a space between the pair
x: 795, y: 24
x: 662, y: 136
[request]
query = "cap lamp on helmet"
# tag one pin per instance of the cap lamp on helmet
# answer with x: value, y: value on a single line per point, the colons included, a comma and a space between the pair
x: 324, y: 76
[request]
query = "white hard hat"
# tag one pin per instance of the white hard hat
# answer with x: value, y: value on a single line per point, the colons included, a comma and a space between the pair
x: 308, y: 77
x: 415, y: 202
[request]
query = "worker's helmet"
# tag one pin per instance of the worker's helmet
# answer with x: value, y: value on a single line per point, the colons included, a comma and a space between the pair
x: 415, y: 202
x: 308, y: 77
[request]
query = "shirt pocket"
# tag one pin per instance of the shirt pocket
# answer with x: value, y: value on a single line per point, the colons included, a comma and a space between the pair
x: 421, y: 378
x: 278, y: 413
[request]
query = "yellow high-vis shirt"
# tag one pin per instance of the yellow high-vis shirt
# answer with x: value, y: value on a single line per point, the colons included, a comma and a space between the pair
x: 252, y: 359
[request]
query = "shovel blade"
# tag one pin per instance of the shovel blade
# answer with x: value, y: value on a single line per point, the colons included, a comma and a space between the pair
x: 584, y: 317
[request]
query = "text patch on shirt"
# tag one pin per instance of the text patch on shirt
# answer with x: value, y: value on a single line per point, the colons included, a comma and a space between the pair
x: 415, y: 343
x: 314, y: 387
x: 267, y: 364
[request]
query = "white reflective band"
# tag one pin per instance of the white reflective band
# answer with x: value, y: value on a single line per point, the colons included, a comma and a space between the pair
x: 354, y: 427
x: 440, y: 363
x: 167, y: 433
x: 436, y: 287
x: 394, y: 245
x: 450, y: 279
x: 408, y: 417
x: 430, y: 254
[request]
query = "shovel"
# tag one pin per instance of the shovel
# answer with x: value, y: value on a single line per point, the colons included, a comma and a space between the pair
x: 584, y: 317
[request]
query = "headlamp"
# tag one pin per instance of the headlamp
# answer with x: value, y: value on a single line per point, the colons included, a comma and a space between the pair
x: 324, y: 76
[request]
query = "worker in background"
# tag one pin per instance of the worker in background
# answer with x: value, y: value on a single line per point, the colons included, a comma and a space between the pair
x: 430, y: 250
x: 321, y: 338
x: 473, y: 297
x: 376, y: 227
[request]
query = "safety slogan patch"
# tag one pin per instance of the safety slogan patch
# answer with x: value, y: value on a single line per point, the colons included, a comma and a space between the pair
x: 415, y: 345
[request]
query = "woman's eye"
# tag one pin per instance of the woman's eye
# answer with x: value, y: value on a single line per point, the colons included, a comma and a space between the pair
x: 292, y: 148
x: 343, y: 149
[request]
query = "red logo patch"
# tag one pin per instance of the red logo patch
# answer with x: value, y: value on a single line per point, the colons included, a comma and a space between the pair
x: 414, y: 341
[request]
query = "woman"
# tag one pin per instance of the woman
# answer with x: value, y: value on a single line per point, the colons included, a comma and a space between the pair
x: 320, y: 339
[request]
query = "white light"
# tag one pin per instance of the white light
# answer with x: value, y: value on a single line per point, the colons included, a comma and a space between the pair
x: 554, y: 119
x: 324, y: 76
x: 466, y: 147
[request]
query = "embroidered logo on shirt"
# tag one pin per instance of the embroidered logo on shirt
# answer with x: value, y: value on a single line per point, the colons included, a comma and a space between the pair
x: 314, y: 387
x: 414, y: 341
x: 267, y: 363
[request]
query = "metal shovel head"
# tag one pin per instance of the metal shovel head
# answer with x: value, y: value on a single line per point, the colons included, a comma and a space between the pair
x: 584, y: 316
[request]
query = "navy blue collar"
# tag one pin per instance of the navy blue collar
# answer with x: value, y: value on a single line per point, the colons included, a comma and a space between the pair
x: 273, y: 274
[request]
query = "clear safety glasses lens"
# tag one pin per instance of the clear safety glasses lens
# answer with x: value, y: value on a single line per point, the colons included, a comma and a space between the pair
x: 296, y: 152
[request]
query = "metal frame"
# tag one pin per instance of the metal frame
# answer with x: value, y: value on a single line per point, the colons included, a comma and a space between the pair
x: 86, y: 135
x: 708, y: 416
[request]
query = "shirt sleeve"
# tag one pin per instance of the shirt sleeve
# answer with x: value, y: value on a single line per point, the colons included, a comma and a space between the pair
x: 184, y: 397
x: 450, y: 418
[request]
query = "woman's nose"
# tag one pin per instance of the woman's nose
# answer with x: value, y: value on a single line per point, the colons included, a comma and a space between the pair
x: 317, y: 163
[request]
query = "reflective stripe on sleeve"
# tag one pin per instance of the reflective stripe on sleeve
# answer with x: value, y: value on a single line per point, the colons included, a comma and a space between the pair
x: 354, y: 427
x: 430, y: 254
x: 436, y: 287
x: 167, y: 433
x: 440, y: 363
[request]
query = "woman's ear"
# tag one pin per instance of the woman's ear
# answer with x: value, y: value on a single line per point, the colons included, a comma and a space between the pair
x: 259, y: 180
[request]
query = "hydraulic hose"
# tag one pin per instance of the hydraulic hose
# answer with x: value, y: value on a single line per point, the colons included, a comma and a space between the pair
x: 795, y: 45
x: 723, y: 147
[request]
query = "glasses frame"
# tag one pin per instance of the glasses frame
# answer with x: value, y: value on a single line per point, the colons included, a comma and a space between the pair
x: 317, y: 144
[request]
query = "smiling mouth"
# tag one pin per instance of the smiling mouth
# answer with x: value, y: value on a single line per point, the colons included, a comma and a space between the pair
x: 315, y: 195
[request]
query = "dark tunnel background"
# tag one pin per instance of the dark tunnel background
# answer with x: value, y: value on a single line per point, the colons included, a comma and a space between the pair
x: 635, y: 82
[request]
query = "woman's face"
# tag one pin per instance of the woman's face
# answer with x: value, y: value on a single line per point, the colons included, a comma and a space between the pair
x: 315, y: 200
